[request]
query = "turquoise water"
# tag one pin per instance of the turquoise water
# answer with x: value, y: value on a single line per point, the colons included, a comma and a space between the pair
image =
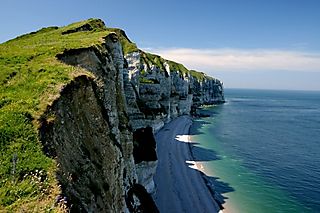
x: 262, y: 150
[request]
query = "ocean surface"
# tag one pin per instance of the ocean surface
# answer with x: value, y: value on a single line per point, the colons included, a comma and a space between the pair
x: 261, y: 150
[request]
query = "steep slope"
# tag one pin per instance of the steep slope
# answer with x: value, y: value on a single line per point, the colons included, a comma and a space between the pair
x: 158, y: 90
x: 165, y: 89
x: 78, y: 108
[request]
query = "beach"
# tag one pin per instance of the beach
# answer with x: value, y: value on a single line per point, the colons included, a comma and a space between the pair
x: 180, y: 187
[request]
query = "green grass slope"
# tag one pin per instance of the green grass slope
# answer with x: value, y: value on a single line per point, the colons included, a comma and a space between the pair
x: 156, y: 60
x: 31, y: 77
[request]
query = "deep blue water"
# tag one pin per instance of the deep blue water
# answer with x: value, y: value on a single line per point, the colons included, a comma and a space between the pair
x: 268, y: 149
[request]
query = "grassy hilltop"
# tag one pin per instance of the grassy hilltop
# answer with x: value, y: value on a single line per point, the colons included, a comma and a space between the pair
x: 31, y: 78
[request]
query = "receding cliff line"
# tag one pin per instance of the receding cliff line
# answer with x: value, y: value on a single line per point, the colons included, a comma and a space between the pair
x: 158, y: 90
x: 100, y: 101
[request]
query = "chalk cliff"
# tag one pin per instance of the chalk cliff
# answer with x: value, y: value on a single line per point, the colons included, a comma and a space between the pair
x: 158, y: 90
x: 96, y: 118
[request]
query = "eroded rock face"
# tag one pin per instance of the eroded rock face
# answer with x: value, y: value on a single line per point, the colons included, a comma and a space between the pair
x: 209, y: 91
x: 91, y: 166
x: 87, y: 130
x: 162, y: 92
x: 155, y: 94
x: 101, y: 128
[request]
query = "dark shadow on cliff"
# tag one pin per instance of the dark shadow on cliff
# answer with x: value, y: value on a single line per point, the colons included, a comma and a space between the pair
x: 146, y: 203
x: 90, y: 170
x: 144, y: 145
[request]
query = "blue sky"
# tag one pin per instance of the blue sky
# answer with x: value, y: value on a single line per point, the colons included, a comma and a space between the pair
x: 272, y: 44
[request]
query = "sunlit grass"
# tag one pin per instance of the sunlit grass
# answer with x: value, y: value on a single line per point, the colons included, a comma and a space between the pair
x: 31, y: 77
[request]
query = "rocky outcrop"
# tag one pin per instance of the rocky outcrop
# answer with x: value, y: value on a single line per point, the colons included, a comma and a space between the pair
x: 87, y: 130
x: 161, y: 90
x: 100, y: 130
x: 86, y: 149
x: 156, y: 91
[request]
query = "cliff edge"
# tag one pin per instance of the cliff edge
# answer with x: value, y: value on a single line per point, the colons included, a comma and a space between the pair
x: 79, y: 106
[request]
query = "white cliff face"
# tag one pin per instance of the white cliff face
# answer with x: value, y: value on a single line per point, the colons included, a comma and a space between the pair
x: 134, y: 66
x: 163, y: 92
x: 156, y: 92
x: 138, y: 93
x: 100, y: 129
x: 208, y: 91
x: 103, y: 142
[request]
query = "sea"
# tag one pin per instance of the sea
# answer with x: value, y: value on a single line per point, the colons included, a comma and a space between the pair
x: 261, y: 150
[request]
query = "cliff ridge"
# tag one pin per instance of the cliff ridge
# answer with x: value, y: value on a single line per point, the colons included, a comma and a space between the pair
x: 79, y: 107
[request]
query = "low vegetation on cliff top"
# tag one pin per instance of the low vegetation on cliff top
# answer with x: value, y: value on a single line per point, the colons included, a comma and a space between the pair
x: 31, y: 78
x: 156, y: 60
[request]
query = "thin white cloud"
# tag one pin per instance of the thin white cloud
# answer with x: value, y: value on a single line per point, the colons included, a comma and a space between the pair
x: 242, y: 60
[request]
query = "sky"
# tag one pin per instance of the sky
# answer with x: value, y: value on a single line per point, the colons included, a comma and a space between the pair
x: 264, y: 44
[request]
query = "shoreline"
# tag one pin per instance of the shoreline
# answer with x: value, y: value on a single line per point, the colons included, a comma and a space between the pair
x: 225, y: 205
x: 205, y: 179
x: 215, y: 195
x: 179, y: 187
